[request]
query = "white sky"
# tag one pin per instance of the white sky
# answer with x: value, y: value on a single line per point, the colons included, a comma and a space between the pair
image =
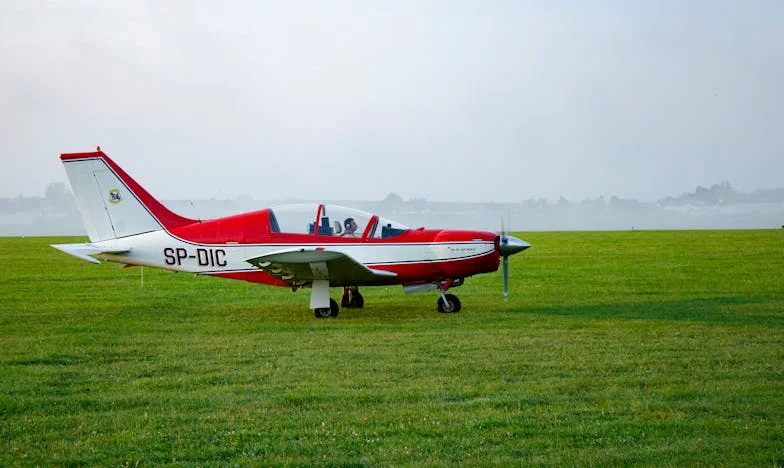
x: 446, y: 100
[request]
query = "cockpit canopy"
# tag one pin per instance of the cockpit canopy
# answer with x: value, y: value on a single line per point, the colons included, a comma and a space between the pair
x: 332, y: 220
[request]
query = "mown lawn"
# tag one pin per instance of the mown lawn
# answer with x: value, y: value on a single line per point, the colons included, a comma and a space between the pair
x: 634, y: 347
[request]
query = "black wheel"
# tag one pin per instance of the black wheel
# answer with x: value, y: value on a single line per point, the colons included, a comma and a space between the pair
x: 452, y: 304
x: 331, y: 311
x: 351, y: 298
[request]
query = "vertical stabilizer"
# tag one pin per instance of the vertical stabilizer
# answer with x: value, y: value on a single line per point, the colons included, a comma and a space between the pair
x: 111, y: 203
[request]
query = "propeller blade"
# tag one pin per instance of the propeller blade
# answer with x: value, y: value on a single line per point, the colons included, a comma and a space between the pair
x: 508, y: 245
x: 506, y: 278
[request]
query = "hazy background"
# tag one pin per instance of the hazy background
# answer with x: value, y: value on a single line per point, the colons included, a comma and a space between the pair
x: 443, y: 100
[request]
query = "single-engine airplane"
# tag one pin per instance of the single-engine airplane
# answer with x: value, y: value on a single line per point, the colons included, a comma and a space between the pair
x: 296, y: 246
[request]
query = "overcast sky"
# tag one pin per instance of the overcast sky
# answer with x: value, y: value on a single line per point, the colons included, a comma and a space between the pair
x: 455, y: 101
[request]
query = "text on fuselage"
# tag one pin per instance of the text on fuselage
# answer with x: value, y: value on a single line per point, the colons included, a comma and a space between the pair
x: 201, y: 256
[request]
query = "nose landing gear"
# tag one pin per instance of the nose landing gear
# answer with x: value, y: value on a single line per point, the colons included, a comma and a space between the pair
x: 448, y: 303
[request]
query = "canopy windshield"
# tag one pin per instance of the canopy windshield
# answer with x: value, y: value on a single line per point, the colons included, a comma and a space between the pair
x: 332, y: 220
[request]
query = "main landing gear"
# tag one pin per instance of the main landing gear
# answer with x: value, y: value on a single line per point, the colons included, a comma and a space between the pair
x: 351, y: 299
x: 331, y: 311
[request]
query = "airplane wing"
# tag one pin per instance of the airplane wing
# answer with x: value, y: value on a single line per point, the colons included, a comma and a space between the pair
x: 86, y: 251
x: 300, y: 266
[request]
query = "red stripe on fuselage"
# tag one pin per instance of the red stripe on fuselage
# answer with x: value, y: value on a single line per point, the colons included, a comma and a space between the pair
x: 439, y: 270
x: 406, y: 273
x: 413, y: 272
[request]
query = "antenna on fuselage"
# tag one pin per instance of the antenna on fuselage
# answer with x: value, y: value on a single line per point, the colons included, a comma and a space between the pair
x: 198, y: 218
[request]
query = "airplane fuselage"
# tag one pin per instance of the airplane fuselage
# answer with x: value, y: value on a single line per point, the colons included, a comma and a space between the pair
x: 418, y: 256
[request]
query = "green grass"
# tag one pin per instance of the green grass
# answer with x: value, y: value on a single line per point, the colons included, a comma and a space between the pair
x: 662, y: 348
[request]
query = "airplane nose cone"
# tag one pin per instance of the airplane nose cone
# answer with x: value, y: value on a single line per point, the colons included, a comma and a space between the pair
x: 510, y: 245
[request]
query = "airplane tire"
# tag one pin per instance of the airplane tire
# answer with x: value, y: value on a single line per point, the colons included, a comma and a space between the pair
x: 351, y: 299
x: 331, y: 311
x: 452, y: 305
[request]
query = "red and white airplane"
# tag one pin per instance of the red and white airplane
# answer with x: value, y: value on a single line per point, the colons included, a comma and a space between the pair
x: 296, y: 246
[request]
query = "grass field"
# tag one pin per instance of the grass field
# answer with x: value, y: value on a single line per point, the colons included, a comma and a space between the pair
x: 662, y: 348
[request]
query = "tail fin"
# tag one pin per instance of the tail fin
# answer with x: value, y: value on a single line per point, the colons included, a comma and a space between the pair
x: 112, y: 204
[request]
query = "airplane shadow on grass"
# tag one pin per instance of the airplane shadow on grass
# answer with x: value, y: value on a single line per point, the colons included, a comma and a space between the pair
x: 768, y: 311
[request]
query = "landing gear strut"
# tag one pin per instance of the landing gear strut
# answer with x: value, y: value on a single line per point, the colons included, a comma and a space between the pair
x: 352, y: 299
x: 448, y: 303
x: 331, y: 311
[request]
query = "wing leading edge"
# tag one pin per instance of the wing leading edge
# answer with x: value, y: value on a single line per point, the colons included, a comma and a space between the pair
x: 301, y: 266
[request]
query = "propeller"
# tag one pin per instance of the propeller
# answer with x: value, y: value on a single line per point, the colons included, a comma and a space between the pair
x: 506, y: 278
x: 509, y: 245
x: 502, y: 242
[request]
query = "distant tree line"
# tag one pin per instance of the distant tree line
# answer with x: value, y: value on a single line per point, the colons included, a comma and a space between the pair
x: 717, y: 194
x: 724, y: 194
x: 57, y: 199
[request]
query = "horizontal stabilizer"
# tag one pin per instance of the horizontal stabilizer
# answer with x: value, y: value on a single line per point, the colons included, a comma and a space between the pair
x: 87, y: 251
x: 300, y: 266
